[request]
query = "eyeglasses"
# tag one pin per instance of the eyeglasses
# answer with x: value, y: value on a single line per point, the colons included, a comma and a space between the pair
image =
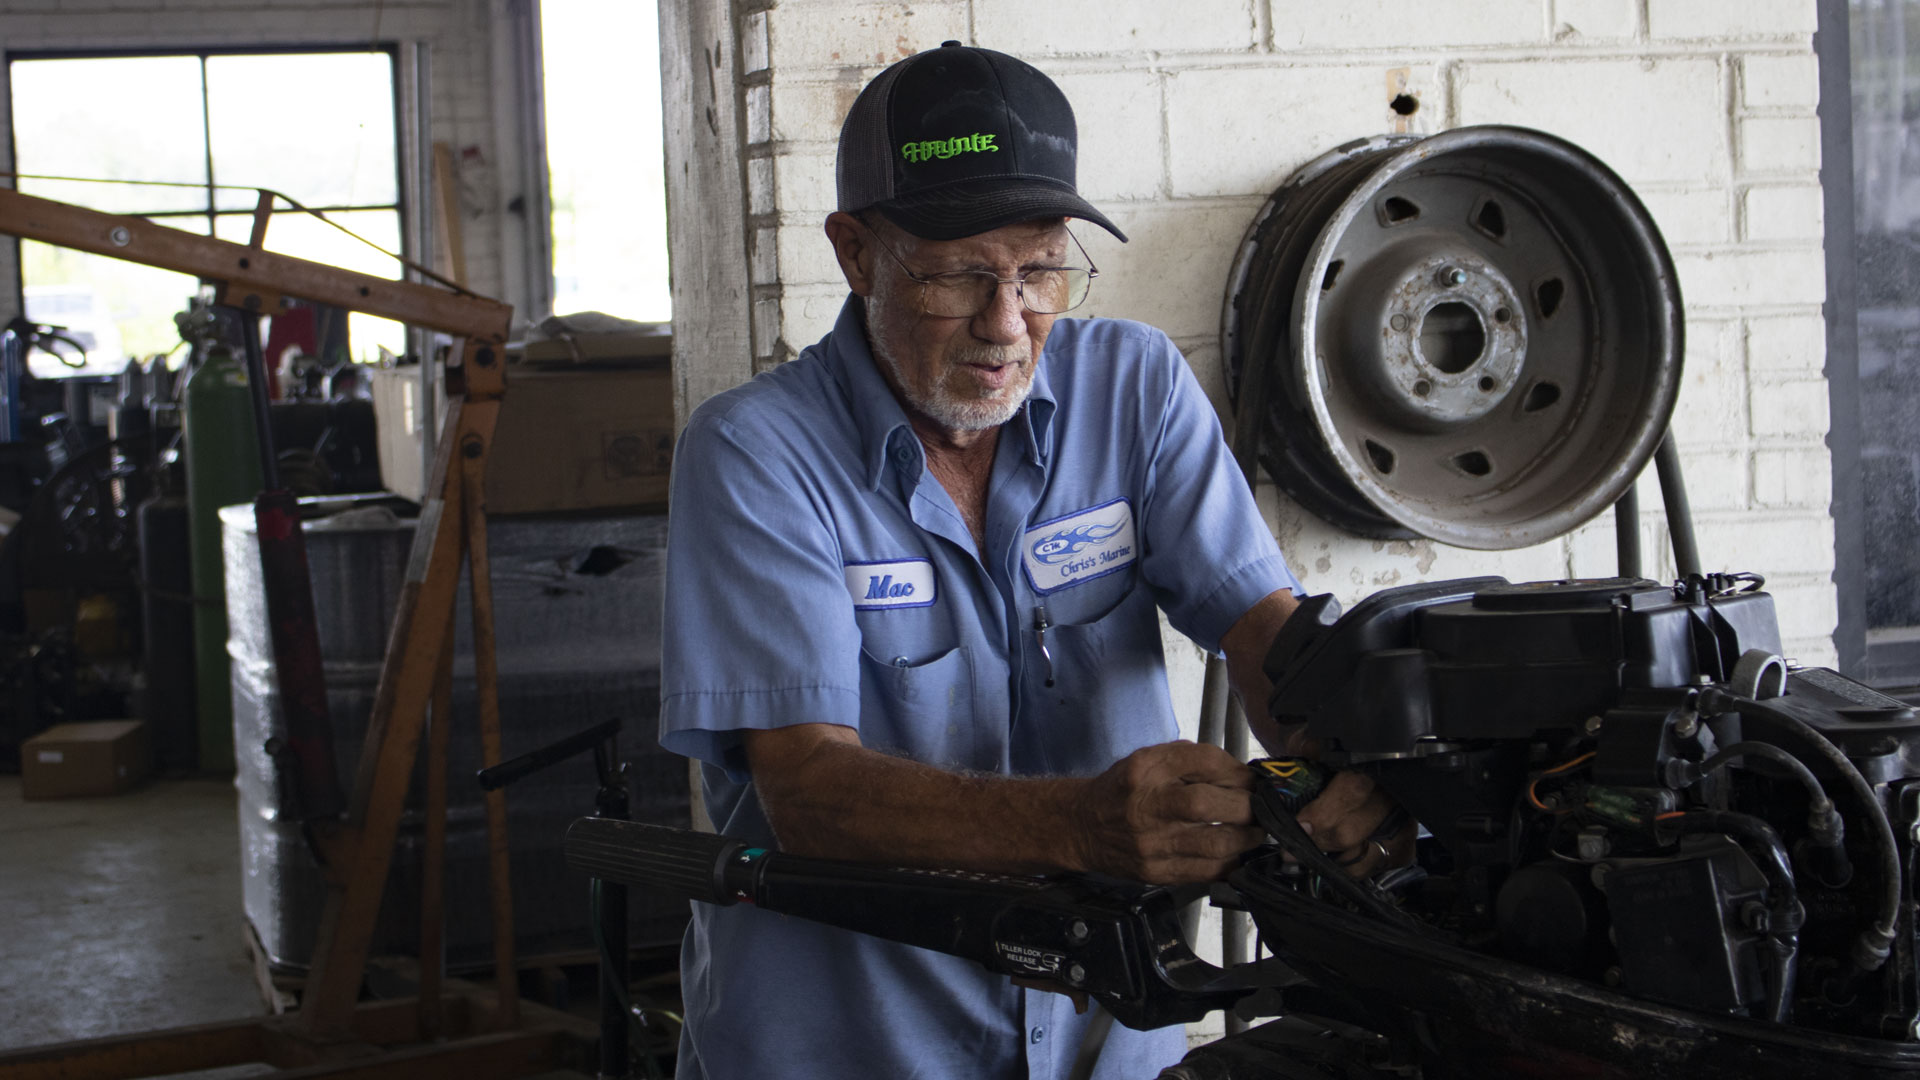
x: 962, y: 294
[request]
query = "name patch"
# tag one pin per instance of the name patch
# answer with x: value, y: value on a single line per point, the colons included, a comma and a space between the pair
x: 1080, y: 547
x: 902, y: 584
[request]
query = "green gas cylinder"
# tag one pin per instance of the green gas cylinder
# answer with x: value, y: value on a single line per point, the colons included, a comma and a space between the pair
x: 223, y: 468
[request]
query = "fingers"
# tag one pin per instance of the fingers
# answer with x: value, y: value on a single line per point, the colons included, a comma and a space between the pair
x: 1172, y: 813
x: 1194, y: 763
x: 1198, y: 853
x: 1344, y: 822
x: 1375, y: 855
x: 1346, y: 813
x: 1199, y: 802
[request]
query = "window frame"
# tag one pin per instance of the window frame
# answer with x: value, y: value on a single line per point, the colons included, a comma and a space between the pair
x: 210, y: 212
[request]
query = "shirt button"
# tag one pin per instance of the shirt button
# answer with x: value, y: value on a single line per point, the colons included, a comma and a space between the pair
x: 903, y: 455
x: 1038, y: 1034
x: 899, y: 661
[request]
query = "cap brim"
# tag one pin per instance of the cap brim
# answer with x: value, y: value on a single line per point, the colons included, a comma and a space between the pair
x: 971, y: 207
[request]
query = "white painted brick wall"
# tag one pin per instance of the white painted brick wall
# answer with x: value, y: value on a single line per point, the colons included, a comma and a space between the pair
x: 1789, y: 344
x: 1716, y: 22
x: 1783, y: 213
x: 1790, y: 81
x: 816, y: 35
x: 1106, y: 27
x: 1191, y: 113
x: 1780, y: 144
x: 1594, y: 21
x: 1651, y: 120
x: 1241, y: 131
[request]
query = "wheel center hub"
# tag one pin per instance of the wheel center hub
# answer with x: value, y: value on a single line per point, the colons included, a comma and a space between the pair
x: 1452, y: 340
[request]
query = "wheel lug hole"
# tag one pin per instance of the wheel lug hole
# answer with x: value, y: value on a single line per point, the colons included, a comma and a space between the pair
x: 1400, y: 322
x: 1422, y: 388
x: 1501, y: 315
x: 1486, y: 383
x: 1451, y: 276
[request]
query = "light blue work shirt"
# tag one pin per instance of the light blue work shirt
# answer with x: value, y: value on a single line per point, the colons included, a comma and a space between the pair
x: 817, y: 572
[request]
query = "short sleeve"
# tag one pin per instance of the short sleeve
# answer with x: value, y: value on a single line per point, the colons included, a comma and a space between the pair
x: 1209, y: 555
x: 759, y: 629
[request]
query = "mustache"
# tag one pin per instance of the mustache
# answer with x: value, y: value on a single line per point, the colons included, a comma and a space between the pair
x: 990, y: 355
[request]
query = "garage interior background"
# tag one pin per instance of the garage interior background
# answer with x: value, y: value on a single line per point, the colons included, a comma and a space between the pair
x: 1798, y: 439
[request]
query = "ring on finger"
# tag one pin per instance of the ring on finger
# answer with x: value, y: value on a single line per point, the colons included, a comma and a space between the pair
x: 1384, y: 853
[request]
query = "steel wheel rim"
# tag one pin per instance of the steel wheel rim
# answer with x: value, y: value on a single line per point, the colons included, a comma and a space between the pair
x: 1503, y: 358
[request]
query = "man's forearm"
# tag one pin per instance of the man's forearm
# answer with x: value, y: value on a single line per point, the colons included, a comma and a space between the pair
x: 1168, y: 813
x: 845, y: 801
x: 1246, y: 645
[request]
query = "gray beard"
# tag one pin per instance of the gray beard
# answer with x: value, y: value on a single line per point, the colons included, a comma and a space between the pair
x: 936, y: 402
x: 940, y: 405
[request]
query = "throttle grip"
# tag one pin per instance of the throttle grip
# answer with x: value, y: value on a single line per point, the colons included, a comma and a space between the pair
x: 679, y: 861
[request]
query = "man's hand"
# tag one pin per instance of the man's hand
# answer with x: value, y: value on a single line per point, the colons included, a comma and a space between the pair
x: 1167, y: 814
x: 1343, y: 822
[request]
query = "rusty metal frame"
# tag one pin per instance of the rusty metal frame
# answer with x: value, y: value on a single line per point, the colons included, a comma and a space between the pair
x: 455, y: 1032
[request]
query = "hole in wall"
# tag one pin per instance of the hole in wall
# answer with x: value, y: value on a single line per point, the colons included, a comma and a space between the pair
x: 1451, y: 337
x: 1404, y: 104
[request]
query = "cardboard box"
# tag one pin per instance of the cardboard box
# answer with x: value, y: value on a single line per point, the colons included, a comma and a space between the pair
x: 582, y: 438
x: 105, y: 757
x: 569, y: 437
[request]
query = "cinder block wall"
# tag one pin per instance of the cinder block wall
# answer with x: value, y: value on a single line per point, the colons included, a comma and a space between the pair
x: 1192, y: 113
x: 473, y: 101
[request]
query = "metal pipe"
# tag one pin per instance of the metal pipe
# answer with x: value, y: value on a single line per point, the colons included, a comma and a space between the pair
x: 1213, y: 703
x: 1626, y: 530
x: 257, y: 384
x: 1213, y: 732
x: 1673, y: 491
x: 1235, y: 926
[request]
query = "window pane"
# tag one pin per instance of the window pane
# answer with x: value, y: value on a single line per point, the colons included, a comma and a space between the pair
x: 135, y: 118
x: 1886, y: 164
x: 115, y: 309
x: 307, y: 237
x: 318, y: 127
x: 605, y: 157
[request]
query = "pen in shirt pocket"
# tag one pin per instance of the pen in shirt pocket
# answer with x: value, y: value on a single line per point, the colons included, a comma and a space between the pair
x: 1041, y: 624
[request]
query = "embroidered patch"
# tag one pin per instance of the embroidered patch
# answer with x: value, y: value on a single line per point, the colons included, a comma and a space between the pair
x: 902, y: 584
x: 1080, y: 547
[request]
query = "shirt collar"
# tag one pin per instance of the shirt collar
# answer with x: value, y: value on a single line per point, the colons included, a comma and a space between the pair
x: 885, y: 434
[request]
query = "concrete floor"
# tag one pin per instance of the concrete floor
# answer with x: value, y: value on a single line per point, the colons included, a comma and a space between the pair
x: 121, y: 914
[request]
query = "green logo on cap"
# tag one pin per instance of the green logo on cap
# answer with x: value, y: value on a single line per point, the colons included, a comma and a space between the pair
x: 946, y: 148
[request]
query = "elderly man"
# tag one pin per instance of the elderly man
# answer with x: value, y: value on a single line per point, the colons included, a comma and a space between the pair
x: 912, y: 582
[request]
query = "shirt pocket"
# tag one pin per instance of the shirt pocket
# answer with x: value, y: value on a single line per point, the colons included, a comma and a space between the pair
x: 1090, y: 601
x: 916, y: 691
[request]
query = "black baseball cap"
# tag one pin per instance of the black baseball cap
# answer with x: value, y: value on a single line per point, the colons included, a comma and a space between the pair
x: 957, y: 141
